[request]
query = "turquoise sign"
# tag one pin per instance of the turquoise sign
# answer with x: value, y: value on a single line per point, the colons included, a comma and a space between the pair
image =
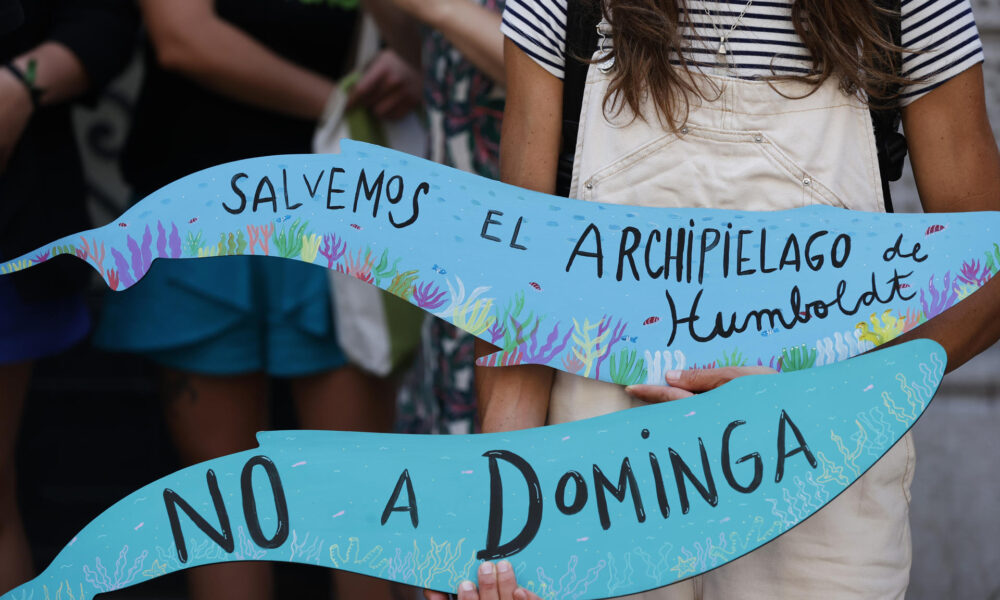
x: 599, y: 508
x: 616, y: 293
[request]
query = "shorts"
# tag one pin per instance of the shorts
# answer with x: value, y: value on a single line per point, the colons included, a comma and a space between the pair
x: 226, y: 316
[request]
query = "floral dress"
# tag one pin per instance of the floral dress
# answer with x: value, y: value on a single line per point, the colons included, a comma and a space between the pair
x: 464, y: 108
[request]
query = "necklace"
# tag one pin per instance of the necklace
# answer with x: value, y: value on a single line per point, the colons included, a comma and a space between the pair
x: 721, y: 53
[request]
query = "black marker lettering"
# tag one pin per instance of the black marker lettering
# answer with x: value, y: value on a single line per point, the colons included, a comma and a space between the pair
x: 271, y: 198
x: 494, y: 549
x: 223, y: 538
x: 579, y: 494
x: 284, y: 186
x: 727, y: 468
x: 625, y: 250
x: 517, y: 230
x: 783, y: 454
x: 330, y: 190
x: 390, y: 506
x: 490, y: 221
x: 682, y: 470
x: 250, y: 503
x: 598, y: 253
x: 239, y: 192
x: 625, y: 478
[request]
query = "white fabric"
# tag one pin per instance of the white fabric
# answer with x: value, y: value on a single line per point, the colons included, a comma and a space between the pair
x: 358, y: 307
x: 765, y: 42
x: 753, y: 149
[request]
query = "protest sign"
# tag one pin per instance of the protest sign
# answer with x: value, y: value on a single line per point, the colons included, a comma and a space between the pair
x: 598, y: 508
x: 616, y: 293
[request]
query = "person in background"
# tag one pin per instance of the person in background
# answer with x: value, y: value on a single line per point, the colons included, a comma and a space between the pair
x: 52, y: 54
x: 460, y: 50
x: 227, y: 80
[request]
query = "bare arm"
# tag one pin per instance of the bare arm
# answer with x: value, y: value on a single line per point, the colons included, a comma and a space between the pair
x: 471, y: 28
x: 957, y: 168
x: 398, y: 29
x: 59, y: 74
x: 191, y: 39
x: 518, y: 397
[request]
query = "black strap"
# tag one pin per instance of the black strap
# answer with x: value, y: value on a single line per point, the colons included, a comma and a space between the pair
x: 582, y: 17
x: 889, y: 142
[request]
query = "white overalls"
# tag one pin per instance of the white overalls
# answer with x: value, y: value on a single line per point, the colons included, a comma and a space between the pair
x: 753, y: 149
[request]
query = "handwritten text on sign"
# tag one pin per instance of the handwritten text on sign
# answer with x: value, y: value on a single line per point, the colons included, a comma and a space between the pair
x: 570, y: 505
x: 618, y: 293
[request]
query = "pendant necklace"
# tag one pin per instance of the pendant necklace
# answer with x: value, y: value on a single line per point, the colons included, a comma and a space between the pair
x: 722, y: 52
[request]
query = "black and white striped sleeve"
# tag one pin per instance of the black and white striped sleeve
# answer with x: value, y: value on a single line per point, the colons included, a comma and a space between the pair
x: 946, y: 42
x: 538, y: 27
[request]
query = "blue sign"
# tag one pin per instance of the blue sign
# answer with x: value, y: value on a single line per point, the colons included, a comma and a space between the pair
x: 616, y: 293
x: 598, y: 508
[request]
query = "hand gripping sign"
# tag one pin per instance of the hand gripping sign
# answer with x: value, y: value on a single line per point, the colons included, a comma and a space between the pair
x: 598, y: 508
x: 616, y: 293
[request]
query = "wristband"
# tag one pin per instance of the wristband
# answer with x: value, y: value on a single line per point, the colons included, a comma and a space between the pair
x: 28, y: 81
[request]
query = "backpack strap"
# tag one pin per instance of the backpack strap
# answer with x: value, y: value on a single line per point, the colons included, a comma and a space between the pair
x: 582, y: 17
x: 889, y: 142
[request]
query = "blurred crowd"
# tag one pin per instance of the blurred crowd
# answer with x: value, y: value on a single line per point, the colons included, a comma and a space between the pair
x: 225, y: 80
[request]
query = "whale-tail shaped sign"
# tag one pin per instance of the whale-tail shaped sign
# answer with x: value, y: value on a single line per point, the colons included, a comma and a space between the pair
x: 616, y: 293
x: 598, y: 508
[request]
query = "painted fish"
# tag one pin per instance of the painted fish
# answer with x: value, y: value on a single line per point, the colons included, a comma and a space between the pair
x: 356, y: 226
x: 934, y: 229
x: 630, y: 338
x: 192, y: 220
x: 123, y: 224
x: 282, y: 219
x: 535, y: 285
x: 439, y: 270
x: 651, y: 320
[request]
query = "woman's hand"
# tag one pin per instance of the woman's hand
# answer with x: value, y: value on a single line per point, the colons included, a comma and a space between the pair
x: 496, y: 582
x: 389, y: 87
x: 471, y: 28
x: 688, y: 383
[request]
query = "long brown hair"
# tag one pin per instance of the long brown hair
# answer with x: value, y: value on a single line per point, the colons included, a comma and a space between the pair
x: 847, y: 39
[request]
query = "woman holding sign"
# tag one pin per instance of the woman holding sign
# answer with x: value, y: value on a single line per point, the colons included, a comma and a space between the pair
x: 665, y: 121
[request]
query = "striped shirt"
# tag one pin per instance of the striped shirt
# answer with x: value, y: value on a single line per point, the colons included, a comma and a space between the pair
x: 764, y: 42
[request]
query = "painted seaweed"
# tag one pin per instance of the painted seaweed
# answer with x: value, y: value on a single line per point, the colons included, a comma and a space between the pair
x: 797, y: 359
x: 288, y: 241
x: 882, y: 331
x: 940, y: 300
x: 629, y: 369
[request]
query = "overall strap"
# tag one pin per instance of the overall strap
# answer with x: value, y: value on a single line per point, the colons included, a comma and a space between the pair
x: 889, y: 142
x: 582, y: 17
